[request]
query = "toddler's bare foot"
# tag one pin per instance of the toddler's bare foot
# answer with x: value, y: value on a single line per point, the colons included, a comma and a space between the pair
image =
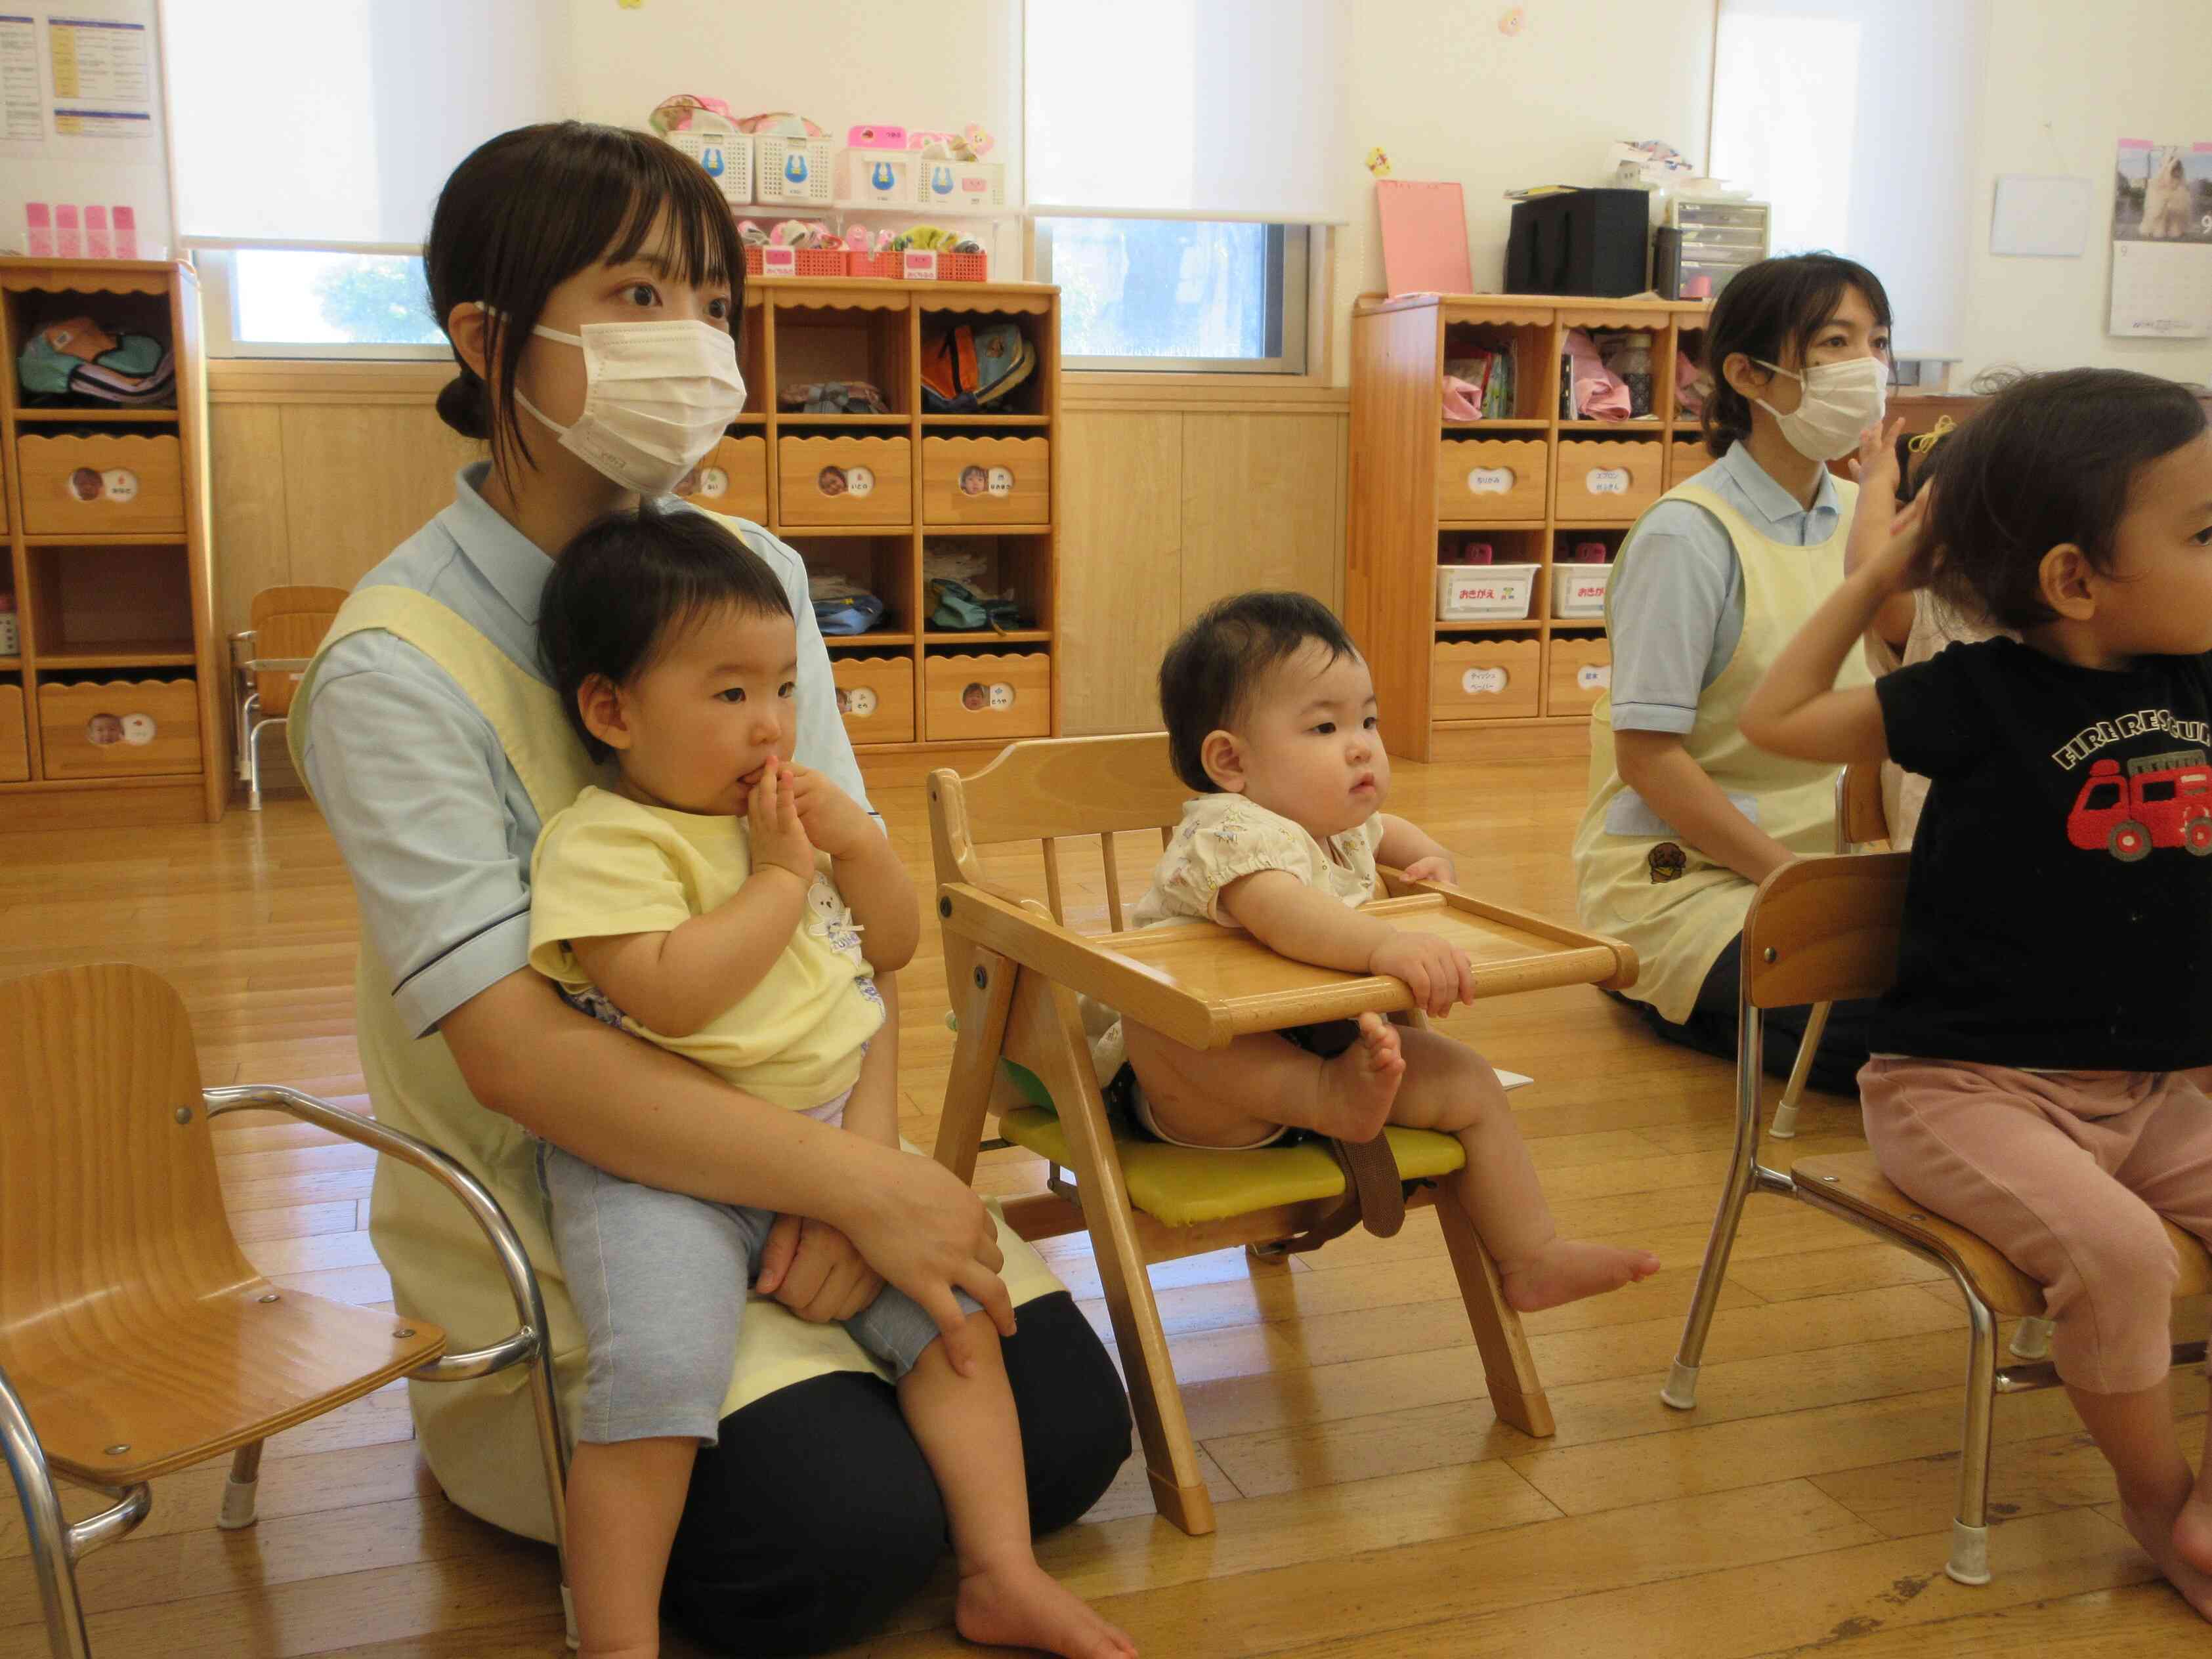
x: 2192, y: 1534
x: 2161, y: 1541
x: 1024, y: 1607
x: 1569, y: 1269
x: 1357, y: 1086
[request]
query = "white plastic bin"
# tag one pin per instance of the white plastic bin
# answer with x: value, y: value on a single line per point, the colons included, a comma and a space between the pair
x: 1485, y: 592
x: 1578, y: 590
x: 791, y: 170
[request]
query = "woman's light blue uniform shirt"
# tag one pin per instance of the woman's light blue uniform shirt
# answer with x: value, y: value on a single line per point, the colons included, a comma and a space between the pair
x: 433, y: 821
x: 1677, y: 607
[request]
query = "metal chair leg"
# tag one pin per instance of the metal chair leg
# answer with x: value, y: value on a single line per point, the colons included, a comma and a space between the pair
x: 1970, y: 1532
x: 52, y: 1557
x: 253, y: 760
x: 2031, y: 1338
x: 1681, y: 1386
x: 242, y: 1491
x: 1785, y: 1115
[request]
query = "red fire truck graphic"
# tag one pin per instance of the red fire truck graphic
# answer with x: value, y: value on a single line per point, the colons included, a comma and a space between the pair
x: 2162, y: 800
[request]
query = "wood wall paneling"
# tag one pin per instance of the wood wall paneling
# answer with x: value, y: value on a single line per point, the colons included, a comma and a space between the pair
x: 1262, y: 505
x: 1121, y: 511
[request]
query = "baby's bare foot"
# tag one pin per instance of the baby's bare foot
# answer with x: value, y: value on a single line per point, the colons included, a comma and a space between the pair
x: 1569, y: 1269
x: 2192, y: 1534
x: 1359, y: 1086
x: 1024, y: 1607
x: 2161, y: 1541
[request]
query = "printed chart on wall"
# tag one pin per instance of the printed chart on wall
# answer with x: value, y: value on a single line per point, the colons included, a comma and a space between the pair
x: 2162, y: 241
x: 76, y: 80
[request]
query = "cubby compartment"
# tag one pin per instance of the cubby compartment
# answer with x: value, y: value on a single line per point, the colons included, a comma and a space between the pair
x: 94, y: 727
x: 875, y: 697
x: 844, y: 480
x: 1491, y: 478
x: 1006, y: 351
x: 881, y: 565
x: 733, y: 479
x: 986, y: 480
x: 1578, y: 585
x: 1581, y: 672
x: 112, y: 607
x: 815, y: 345
x: 88, y: 483
x: 985, y: 698
x: 1684, y: 461
x: 113, y: 315
x: 1607, y: 480
x: 1689, y: 343
x: 1011, y: 568
x: 1480, y: 352
x: 1480, y: 677
x: 14, y: 744
x: 1502, y: 546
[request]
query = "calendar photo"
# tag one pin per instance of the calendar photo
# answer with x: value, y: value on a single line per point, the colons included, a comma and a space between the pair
x: 2162, y: 241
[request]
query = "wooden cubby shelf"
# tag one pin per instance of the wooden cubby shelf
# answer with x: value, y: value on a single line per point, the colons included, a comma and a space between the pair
x: 871, y: 496
x: 1422, y: 485
x: 116, y: 707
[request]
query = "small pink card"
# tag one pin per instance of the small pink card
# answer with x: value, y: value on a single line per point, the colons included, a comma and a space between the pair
x: 69, y: 235
x: 919, y: 267
x: 779, y: 262
x: 1423, y: 237
x: 127, y: 233
x: 97, y: 243
x: 39, y: 229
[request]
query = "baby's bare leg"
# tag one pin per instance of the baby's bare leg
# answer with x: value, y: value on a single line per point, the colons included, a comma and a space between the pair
x: 1239, y: 1096
x: 1449, y: 1087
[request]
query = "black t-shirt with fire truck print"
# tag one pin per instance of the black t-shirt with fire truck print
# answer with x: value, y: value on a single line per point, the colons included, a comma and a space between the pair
x: 2058, y: 915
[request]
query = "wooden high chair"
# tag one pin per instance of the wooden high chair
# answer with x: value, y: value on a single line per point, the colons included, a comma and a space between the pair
x: 135, y: 1339
x: 1823, y: 930
x: 1015, y: 972
x: 267, y: 659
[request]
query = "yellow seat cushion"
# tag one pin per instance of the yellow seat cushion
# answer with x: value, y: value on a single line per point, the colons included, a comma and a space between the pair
x: 1184, y: 1185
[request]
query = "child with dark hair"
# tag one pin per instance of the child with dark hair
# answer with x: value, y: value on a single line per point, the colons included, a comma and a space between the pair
x: 2054, y: 987
x: 1271, y: 722
x: 715, y: 902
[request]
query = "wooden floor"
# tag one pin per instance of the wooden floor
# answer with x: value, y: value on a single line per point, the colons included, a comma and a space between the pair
x: 1369, y: 1503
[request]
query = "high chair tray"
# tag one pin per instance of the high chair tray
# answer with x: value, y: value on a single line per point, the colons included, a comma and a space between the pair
x: 1204, y: 986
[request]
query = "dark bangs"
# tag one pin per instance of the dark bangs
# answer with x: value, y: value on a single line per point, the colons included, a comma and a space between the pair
x: 530, y: 209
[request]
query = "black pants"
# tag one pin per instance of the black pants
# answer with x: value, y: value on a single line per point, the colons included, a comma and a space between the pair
x: 816, y: 1516
x: 1711, y: 1029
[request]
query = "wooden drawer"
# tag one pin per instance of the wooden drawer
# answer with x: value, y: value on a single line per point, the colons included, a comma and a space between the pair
x: 987, y: 698
x: 1484, y: 680
x: 987, y: 480
x: 1684, y: 461
x: 1602, y: 482
x: 101, y: 484
x: 876, y: 696
x: 120, y: 729
x: 1581, y: 672
x: 14, y: 748
x: 1488, y: 479
x: 834, y: 480
x: 733, y: 480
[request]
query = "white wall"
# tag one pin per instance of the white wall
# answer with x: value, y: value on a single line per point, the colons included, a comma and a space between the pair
x: 2064, y: 81
x: 55, y: 168
x: 1448, y: 97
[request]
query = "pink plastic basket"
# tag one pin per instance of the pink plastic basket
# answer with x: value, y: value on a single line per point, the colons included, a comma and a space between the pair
x: 872, y: 265
x: 804, y: 262
x: 963, y: 267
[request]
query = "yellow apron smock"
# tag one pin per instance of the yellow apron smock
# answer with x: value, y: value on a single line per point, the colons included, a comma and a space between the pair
x: 1634, y: 878
x: 480, y: 1437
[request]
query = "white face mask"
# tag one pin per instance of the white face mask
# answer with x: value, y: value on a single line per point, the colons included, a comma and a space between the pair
x: 1841, y: 400
x: 657, y: 397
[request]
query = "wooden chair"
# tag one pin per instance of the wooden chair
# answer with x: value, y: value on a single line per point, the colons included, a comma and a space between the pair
x: 1016, y: 971
x: 135, y: 1339
x: 1826, y: 929
x: 267, y: 658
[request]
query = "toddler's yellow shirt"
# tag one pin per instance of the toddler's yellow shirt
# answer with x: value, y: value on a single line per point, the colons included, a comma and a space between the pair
x: 608, y: 864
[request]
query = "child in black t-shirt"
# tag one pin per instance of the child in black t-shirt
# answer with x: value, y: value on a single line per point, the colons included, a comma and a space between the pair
x: 2055, y: 975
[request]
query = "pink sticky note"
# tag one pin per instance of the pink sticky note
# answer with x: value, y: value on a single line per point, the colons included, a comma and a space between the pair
x: 69, y: 234
x: 127, y: 233
x: 1423, y: 237
x: 39, y: 228
x: 97, y: 243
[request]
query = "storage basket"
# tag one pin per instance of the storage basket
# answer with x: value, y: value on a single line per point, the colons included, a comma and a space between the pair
x: 1485, y: 592
x: 793, y: 170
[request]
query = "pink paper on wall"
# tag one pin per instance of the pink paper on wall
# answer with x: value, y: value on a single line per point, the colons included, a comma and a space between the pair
x: 1423, y: 237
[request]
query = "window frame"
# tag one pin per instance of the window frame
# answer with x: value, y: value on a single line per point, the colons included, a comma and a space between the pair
x: 218, y: 270
x: 1298, y: 254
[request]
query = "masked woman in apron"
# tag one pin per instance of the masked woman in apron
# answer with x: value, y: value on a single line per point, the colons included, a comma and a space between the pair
x: 1685, y: 818
x: 591, y: 283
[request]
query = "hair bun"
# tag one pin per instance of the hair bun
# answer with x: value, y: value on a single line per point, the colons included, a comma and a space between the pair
x: 464, y: 404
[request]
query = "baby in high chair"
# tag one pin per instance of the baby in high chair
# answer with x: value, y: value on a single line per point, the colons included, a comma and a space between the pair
x: 717, y: 902
x: 1271, y: 718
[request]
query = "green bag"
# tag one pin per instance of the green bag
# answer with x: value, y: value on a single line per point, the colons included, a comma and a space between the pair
x: 960, y: 610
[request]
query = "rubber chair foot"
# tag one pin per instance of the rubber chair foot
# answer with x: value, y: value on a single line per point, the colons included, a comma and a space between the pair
x: 1970, y: 1555
x: 239, y: 1499
x: 1681, y: 1389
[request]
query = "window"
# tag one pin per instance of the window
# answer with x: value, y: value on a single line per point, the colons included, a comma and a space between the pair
x: 1178, y: 294
x: 2103, y: 796
x: 2162, y: 790
x: 1176, y: 164
x: 287, y: 302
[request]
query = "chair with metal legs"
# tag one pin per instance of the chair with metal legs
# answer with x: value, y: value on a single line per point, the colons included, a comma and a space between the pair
x: 267, y: 660
x: 1826, y: 929
x: 135, y: 1338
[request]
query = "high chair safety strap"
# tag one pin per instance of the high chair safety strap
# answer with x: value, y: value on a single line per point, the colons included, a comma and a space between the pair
x: 1374, y: 1195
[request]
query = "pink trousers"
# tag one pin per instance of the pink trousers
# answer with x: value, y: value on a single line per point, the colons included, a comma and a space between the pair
x: 2067, y: 1174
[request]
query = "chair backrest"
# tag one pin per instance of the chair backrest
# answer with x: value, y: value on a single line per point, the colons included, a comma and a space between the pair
x: 110, y: 1213
x: 1824, y: 930
x: 1860, y: 814
x: 1052, y: 789
x: 289, y: 621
